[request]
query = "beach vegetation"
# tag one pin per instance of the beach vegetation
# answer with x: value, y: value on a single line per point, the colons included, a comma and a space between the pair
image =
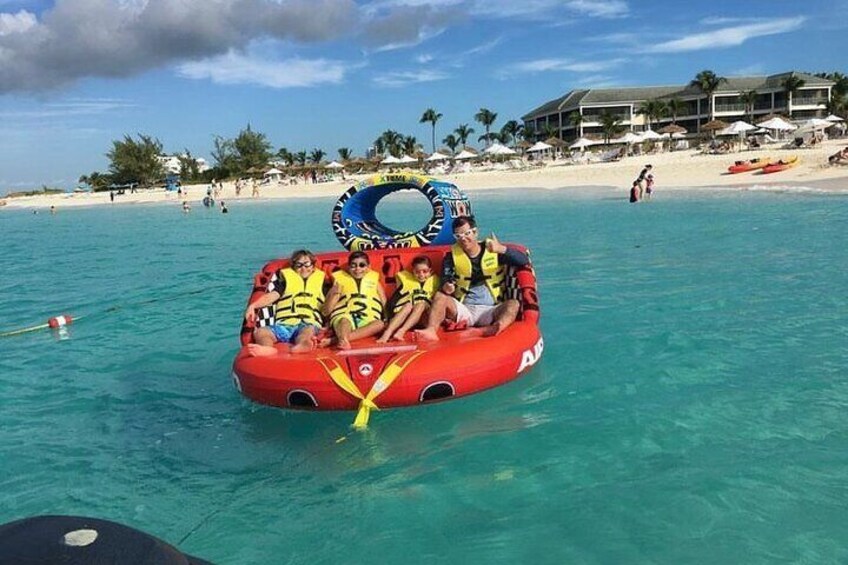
x: 790, y: 85
x: 316, y: 155
x: 653, y: 109
x: 136, y: 160
x: 410, y: 145
x: 224, y: 154
x: 675, y: 107
x: 463, y: 132
x: 252, y: 149
x: 285, y: 156
x: 300, y: 158
x: 749, y: 99
x: 452, y: 142
x: 487, y: 118
x: 708, y: 82
x: 550, y: 130
x: 96, y: 180
x: 576, y: 119
x: 432, y: 116
x: 510, y: 131
x: 345, y: 153
x: 189, y: 168
x: 610, y: 125
x: 390, y: 142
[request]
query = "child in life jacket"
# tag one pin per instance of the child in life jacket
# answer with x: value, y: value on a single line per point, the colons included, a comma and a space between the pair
x: 355, y: 302
x: 412, y: 299
x: 649, y: 186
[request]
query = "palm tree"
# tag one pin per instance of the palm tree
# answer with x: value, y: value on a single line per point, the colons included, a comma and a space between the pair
x: 610, y: 125
x: 430, y: 115
x: 344, y: 153
x: 316, y: 155
x: 576, y: 119
x: 463, y: 132
x: 653, y: 110
x: 410, y: 145
x: 510, y: 130
x: 285, y: 156
x: 300, y: 158
x: 675, y: 107
x: 452, y: 142
x: 708, y: 82
x: 749, y: 99
x: 487, y: 118
x: 790, y: 85
x: 389, y: 142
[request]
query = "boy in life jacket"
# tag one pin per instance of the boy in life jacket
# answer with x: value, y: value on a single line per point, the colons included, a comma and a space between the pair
x: 473, y: 277
x: 298, y: 295
x: 412, y: 298
x: 355, y: 302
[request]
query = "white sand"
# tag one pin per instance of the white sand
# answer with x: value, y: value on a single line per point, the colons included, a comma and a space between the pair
x: 677, y: 170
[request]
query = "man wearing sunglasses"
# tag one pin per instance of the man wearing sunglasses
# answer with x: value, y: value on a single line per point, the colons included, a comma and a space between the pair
x: 473, y: 277
x: 297, y: 293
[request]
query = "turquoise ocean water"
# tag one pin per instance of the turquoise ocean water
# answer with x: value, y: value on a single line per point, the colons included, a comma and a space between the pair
x: 691, y: 405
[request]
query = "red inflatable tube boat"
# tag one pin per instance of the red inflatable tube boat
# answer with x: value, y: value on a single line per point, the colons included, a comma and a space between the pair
x: 372, y: 375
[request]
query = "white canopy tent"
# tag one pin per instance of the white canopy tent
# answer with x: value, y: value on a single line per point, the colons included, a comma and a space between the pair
x: 737, y: 128
x: 390, y: 160
x: 499, y: 149
x: 436, y: 157
x: 406, y: 159
x: 273, y: 174
x: 582, y: 143
x: 466, y: 154
x: 815, y: 124
x: 650, y: 134
x: 335, y: 165
x: 629, y: 138
x: 777, y: 124
x: 834, y: 118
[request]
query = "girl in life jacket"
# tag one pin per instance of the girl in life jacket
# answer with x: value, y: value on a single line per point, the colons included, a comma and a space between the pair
x: 355, y: 302
x: 412, y: 299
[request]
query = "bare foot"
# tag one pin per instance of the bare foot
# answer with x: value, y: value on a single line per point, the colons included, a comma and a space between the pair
x: 384, y: 338
x: 303, y: 347
x: 256, y: 350
x: 491, y: 331
x: 427, y: 334
x: 399, y: 336
x: 325, y: 342
x: 344, y: 344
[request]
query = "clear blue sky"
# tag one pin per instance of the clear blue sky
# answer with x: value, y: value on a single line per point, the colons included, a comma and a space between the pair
x: 77, y: 74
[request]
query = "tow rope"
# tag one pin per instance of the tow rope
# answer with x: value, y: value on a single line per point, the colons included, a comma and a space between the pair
x: 383, y: 382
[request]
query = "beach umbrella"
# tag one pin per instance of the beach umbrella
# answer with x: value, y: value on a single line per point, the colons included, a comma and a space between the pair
x: 777, y: 123
x: 406, y: 159
x: 554, y: 141
x: 335, y: 165
x: 714, y: 125
x: 672, y: 129
x: 436, y: 157
x: 582, y: 143
x: 815, y: 123
x: 650, y: 134
x: 504, y: 150
x: 539, y: 146
x: 834, y: 118
x: 629, y: 138
x: 390, y: 160
x: 737, y: 128
x: 524, y: 144
x: 466, y: 154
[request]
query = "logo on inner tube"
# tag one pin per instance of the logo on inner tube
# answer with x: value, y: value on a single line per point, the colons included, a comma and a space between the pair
x: 366, y: 369
x: 531, y: 356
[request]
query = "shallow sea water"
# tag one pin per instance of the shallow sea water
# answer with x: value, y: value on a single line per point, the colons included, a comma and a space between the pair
x: 690, y: 406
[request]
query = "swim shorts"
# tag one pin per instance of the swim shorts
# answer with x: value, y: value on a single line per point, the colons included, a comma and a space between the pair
x: 287, y: 333
x: 475, y: 315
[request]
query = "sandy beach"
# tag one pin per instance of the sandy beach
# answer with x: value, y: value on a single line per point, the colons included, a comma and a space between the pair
x: 678, y: 170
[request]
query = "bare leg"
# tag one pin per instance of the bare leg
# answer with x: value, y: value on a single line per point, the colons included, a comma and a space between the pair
x: 411, y: 320
x: 504, y: 317
x: 369, y: 329
x: 264, y: 343
x: 442, y: 308
x: 343, y: 329
x: 305, y: 341
x: 395, y: 322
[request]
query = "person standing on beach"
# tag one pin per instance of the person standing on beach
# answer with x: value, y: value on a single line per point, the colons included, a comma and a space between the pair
x: 473, y: 283
x: 111, y: 196
x: 641, y: 179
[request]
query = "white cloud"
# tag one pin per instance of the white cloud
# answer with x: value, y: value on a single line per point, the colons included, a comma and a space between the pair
x: 17, y: 23
x: 727, y: 37
x: 423, y: 58
x: 404, y: 78
x: 560, y: 65
x: 599, y: 8
x: 71, y: 107
x: 233, y: 68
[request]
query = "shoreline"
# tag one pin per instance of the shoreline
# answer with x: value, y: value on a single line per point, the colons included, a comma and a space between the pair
x: 674, y: 171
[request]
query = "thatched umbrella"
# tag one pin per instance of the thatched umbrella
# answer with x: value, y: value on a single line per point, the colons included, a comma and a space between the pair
x: 524, y: 144
x: 672, y: 129
x: 714, y: 126
x: 555, y: 141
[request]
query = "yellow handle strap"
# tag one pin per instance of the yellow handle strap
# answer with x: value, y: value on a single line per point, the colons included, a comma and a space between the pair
x: 383, y: 382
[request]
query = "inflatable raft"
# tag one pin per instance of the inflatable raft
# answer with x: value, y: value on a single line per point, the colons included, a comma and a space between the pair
x: 399, y: 373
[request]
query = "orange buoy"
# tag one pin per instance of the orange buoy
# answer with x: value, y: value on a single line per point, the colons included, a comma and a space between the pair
x: 59, y: 321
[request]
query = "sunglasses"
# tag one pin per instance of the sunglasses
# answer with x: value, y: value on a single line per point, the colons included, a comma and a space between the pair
x: 465, y: 234
x: 359, y: 264
x: 302, y: 264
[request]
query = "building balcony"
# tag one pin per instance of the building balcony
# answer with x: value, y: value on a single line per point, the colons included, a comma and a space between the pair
x: 807, y: 101
x: 730, y: 108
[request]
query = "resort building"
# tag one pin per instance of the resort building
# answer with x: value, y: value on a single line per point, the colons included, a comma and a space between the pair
x: 730, y: 102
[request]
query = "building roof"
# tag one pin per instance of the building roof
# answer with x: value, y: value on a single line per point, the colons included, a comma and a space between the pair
x: 626, y: 95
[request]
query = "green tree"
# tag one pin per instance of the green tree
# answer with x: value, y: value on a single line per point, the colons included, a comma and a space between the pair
x: 576, y: 119
x: 749, y: 99
x: 410, y: 145
x: 675, y: 107
x: 790, y: 85
x: 316, y: 156
x: 344, y: 153
x: 285, y: 156
x: 224, y: 155
x: 487, y: 118
x: 610, y: 125
x: 432, y: 116
x: 708, y: 82
x: 136, y: 161
x: 463, y: 132
x: 653, y: 110
x: 390, y: 142
x: 189, y: 169
x: 510, y: 131
x: 252, y: 149
x: 452, y: 142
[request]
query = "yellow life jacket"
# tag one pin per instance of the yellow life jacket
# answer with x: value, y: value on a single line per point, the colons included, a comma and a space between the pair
x: 358, y: 298
x: 493, y: 273
x: 411, y: 290
x: 302, y: 298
